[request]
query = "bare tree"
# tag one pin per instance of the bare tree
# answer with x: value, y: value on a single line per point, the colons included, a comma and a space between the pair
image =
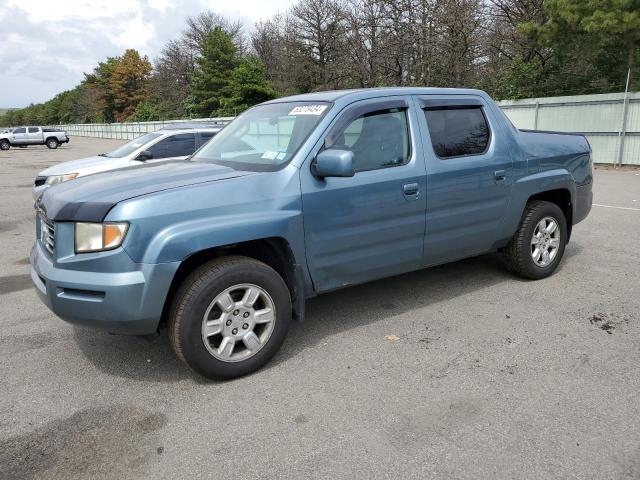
x: 318, y: 30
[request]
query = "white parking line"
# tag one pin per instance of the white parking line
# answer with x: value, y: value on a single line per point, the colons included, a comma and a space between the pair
x: 613, y: 206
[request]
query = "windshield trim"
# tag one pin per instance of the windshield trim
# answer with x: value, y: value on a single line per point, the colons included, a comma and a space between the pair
x: 260, y: 167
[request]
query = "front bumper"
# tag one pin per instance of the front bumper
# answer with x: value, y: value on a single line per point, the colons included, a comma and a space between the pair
x: 584, y: 201
x: 127, y: 301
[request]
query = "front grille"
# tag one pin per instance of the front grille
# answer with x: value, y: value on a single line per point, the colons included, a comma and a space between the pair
x: 47, y: 233
x: 40, y: 181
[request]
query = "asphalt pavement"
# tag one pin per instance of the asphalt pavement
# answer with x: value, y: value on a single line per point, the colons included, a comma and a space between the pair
x: 459, y: 371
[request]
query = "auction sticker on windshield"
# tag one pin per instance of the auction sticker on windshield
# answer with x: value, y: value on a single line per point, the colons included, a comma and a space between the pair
x: 308, y: 110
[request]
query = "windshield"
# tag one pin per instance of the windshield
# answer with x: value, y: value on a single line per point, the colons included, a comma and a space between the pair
x: 132, y: 146
x: 264, y: 137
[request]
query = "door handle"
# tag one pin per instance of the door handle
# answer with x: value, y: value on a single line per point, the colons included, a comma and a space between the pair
x: 411, y: 191
x: 500, y: 175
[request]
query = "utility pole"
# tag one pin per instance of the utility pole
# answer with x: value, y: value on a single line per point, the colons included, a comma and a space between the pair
x: 625, y: 108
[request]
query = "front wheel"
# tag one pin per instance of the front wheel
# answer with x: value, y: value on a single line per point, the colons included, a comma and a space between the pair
x: 537, y: 247
x: 52, y: 143
x: 229, y: 317
x: 5, y: 145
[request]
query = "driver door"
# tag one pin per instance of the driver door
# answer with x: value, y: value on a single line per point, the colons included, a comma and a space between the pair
x: 370, y: 225
x: 19, y: 136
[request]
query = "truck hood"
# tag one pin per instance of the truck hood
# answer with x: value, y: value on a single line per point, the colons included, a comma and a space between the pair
x: 85, y: 166
x: 89, y: 199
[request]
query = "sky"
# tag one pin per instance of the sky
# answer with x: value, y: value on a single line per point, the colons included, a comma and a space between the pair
x: 48, y: 45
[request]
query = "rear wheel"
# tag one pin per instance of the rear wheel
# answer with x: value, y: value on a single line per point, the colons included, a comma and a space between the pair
x: 229, y: 317
x: 52, y: 143
x: 5, y: 145
x: 538, y: 245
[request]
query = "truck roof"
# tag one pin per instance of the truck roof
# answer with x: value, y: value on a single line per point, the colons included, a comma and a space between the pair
x: 364, y: 93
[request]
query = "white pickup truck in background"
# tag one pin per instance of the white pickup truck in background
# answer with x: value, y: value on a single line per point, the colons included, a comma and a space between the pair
x: 24, y: 136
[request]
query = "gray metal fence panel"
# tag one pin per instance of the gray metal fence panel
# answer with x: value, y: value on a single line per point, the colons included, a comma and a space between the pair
x: 599, y: 117
x: 128, y: 130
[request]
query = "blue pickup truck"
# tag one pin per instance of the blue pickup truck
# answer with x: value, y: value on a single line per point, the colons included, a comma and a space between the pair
x: 297, y: 197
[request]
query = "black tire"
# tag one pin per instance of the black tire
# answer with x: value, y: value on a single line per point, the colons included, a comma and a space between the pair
x: 196, y: 293
x: 52, y: 143
x: 5, y: 145
x: 517, y: 254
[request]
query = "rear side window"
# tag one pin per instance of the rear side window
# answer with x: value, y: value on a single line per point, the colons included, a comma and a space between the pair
x: 180, y: 145
x: 378, y: 140
x: 458, y: 132
x: 206, y: 136
x: 33, y: 129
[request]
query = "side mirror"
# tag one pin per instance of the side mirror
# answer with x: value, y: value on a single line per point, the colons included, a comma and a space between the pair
x: 334, y: 163
x: 144, y: 155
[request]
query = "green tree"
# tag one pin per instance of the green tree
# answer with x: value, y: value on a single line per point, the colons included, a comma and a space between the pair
x: 211, y: 82
x: 615, y: 23
x: 145, y: 112
x: 249, y: 86
x: 99, y: 81
x: 620, y: 18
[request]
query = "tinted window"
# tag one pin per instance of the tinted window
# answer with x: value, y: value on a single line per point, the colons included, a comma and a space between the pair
x: 20, y: 130
x: 33, y: 129
x: 175, y: 146
x: 458, y: 132
x: 206, y: 136
x: 377, y: 139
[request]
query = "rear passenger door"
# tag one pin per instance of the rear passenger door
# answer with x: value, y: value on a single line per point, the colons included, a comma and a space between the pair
x: 370, y: 225
x: 175, y: 147
x: 34, y: 136
x: 469, y: 174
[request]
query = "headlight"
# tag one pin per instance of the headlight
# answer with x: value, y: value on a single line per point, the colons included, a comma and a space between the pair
x: 97, y: 237
x: 55, y: 179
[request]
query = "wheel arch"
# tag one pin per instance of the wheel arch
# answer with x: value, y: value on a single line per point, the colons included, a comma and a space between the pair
x: 273, y: 251
x: 562, y: 198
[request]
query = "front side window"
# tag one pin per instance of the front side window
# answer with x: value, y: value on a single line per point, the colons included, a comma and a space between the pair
x: 33, y: 129
x: 458, y: 132
x: 20, y: 130
x: 378, y: 139
x: 264, y: 138
x: 130, y: 147
x: 181, y: 145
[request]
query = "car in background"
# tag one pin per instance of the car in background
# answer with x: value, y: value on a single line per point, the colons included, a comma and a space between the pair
x: 25, y: 136
x: 173, y: 142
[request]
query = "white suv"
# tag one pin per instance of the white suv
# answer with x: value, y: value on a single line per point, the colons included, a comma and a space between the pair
x: 174, y: 142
